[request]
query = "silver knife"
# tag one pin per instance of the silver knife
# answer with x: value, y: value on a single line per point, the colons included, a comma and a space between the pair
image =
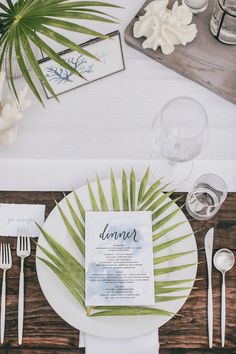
x: 208, y: 250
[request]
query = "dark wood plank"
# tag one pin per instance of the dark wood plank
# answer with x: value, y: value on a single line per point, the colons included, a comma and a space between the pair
x: 206, y: 61
x: 46, y: 333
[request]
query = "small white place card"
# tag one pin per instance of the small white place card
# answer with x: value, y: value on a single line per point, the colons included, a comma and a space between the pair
x: 15, y: 218
x: 119, y: 259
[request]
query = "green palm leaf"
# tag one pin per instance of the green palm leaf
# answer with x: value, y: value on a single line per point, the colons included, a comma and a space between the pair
x: 131, y: 311
x: 125, y: 193
x: 79, y: 204
x: 22, y: 22
x: 155, y: 186
x: 77, y: 278
x: 114, y: 193
x: 159, y: 201
x: 163, y: 221
x: 163, y: 259
x: 161, y: 271
x: 169, y: 298
x: 76, y: 219
x: 71, y: 27
x: 152, y: 198
x: 166, y: 231
x: 62, y: 253
x: 173, y: 290
x: 92, y: 198
x: 4, y: 8
x: 75, y: 236
x: 23, y: 67
x: 102, y: 196
x: 164, y: 245
x: 166, y: 283
x: 132, y: 190
x: 34, y: 63
x: 70, y: 286
x: 165, y: 207
x: 143, y: 185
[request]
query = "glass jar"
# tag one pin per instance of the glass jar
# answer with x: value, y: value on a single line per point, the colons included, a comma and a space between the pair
x: 196, y: 6
x: 223, y: 21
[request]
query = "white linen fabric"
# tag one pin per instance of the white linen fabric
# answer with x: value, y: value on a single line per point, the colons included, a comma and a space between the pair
x: 148, y: 344
x: 61, y: 175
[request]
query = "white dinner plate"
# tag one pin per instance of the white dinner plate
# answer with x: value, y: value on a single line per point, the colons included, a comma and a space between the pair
x: 68, y: 308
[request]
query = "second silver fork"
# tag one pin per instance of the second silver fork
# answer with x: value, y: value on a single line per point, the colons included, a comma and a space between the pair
x: 23, y: 250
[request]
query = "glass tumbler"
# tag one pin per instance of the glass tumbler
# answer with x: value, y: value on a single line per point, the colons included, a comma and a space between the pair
x: 208, y: 194
x: 223, y: 21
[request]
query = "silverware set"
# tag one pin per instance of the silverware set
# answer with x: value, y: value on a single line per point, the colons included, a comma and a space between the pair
x: 223, y: 261
x: 23, y: 250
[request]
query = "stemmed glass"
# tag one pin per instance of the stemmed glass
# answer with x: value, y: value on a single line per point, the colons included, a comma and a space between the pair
x: 180, y: 131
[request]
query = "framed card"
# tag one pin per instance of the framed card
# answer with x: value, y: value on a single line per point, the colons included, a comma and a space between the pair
x: 111, y: 61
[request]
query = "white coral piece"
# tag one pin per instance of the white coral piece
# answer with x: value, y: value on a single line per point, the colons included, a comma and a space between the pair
x: 10, y: 112
x: 165, y: 28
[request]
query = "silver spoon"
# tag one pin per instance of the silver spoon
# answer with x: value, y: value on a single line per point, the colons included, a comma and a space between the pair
x: 223, y: 261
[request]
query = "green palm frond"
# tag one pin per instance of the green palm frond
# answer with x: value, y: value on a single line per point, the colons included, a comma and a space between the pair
x: 166, y: 231
x: 92, y: 198
x: 102, y: 197
x: 129, y: 311
x: 75, y: 236
x: 167, y: 244
x: 114, y: 192
x: 132, y: 190
x: 169, y: 298
x: 161, y: 271
x: 133, y: 197
x: 79, y: 204
x: 78, y: 223
x: 143, y: 185
x: 163, y: 259
x: 125, y: 193
x: 23, y: 23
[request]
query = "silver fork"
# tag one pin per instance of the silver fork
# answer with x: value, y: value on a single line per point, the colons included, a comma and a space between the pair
x: 23, y: 250
x: 5, y: 264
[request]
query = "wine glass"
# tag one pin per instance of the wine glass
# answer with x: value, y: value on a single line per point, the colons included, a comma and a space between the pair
x: 179, y: 132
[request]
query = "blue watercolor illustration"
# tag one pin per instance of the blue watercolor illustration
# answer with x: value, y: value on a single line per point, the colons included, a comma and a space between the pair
x: 98, y: 286
x: 59, y: 75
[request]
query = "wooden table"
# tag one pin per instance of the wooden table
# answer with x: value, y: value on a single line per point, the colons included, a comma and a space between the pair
x: 46, y: 333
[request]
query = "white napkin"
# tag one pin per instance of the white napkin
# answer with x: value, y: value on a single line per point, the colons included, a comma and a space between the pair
x: 148, y: 344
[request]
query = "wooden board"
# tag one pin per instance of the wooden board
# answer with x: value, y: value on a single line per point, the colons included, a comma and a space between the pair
x: 205, y: 61
x: 46, y: 333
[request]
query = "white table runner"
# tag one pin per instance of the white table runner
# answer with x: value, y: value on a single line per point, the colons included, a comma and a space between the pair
x: 61, y: 175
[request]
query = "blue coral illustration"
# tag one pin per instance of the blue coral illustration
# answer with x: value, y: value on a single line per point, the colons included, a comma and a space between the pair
x: 60, y: 75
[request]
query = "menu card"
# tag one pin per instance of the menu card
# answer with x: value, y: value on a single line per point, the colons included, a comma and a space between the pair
x: 119, y: 259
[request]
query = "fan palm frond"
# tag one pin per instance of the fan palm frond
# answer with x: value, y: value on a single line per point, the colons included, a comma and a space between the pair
x: 72, y: 274
x: 25, y: 24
